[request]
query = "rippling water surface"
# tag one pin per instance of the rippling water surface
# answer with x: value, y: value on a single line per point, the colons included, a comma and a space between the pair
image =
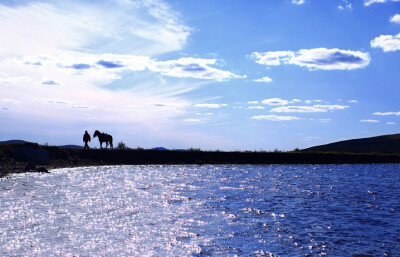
x: 293, y: 210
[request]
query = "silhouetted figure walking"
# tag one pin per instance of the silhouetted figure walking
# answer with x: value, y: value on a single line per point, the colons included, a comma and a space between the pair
x: 86, y: 139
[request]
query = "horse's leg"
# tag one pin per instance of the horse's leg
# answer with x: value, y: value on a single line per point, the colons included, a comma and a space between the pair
x: 101, y: 145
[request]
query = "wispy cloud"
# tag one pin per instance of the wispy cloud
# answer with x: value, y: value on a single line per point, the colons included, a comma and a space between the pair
x: 388, y: 43
x: 386, y: 113
x: 298, y: 2
x: 324, y: 120
x: 211, y: 106
x: 273, y: 58
x: 369, y: 2
x: 109, y: 65
x: 311, y: 101
x: 256, y: 107
x: 192, y: 68
x: 263, y: 80
x: 316, y: 59
x: 204, y: 114
x: 395, y: 18
x: 49, y: 82
x: 252, y: 102
x: 192, y: 120
x: 346, y: 5
x: 197, y: 68
x: 370, y: 121
x: 147, y: 27
x: 10, y: 100
x: 80, y: 66
x: 311, y: 138
x: 309, y: 109
x: 275, y: 118
x: 391, y: 123
x: 275, y: 101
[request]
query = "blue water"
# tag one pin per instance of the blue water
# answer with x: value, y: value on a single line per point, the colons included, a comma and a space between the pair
x: 217, y: 210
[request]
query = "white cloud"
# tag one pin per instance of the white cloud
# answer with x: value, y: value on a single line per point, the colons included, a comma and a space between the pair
x: 273, y: 58
x: 391, y: 123
x: 111, y: 64
x: 145, y: 27
x: 370, y: 121
x: 211, y: 106
x: 369, y: 2
x: 315, y: 100
x: 256, y: 107
x: 307, y: 109
x: 192, y: 120
x: 345, y: 5
x: 275, y: 101
x: 330, y: 59
x: 264, y: 80
x: 193, y: 68
x: 10, y: 100
x: 324, y: 120
x: 298, y: 2
x: 310, y: 138
x: 274, y: 118
x: 395, y: 18
x: 353, y: 101
x: 388, y: 43
x: 386, y: 113
x: 316, y: 59
x: 252, y: 102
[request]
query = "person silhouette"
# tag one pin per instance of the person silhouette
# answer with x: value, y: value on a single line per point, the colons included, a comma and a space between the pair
x: 86, y: 139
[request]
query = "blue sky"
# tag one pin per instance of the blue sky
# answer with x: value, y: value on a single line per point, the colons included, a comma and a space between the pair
x: 227, y: 74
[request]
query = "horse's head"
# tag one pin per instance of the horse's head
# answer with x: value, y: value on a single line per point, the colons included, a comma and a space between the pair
x: 96, y: 133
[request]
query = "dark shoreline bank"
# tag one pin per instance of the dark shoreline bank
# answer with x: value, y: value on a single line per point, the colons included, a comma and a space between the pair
x: 14, y: 158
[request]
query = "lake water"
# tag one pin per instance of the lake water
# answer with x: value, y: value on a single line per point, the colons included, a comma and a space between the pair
x: 217, y: 210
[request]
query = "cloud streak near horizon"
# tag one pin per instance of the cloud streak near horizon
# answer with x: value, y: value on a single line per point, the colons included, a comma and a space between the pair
x: 315, y: 59
x: 369, y: 2
x: 310, y: 109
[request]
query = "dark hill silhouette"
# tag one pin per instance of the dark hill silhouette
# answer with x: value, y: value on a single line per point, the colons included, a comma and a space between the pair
x: 71, y: 146
x: 18, y: 141
x: 388, y: 144
x: 14, y: 141
x: 160, y: 148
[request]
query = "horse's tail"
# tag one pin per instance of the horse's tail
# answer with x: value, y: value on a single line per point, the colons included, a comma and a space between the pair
x: 111, y: 143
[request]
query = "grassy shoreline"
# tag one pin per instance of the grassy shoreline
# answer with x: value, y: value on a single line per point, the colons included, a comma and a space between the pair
x: 11, y: 160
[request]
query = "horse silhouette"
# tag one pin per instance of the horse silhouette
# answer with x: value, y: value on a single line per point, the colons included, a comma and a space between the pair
x: 103, y: 137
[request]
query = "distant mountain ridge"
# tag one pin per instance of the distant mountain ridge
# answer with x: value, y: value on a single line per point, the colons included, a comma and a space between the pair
x: 387, y: 144
x: 14, y: 141
x: 71, y: 146
x: 18, y: 141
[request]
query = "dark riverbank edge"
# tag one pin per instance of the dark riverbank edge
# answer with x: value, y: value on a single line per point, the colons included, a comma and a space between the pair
x: 15, y: 158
